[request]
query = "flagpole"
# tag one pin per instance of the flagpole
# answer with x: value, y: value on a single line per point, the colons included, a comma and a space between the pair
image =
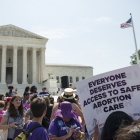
x: 135, y: 39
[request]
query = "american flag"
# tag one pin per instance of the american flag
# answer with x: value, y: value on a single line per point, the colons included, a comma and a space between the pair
x: 127, y: 24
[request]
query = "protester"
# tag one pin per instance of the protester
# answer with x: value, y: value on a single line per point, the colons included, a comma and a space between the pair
x: 33, y: 90
x: 25, y: 97
x: 70, y: 85
x: 28, y: 113
x: 113, y: 122
x: 38, y: 108
x: 10, y: 92
x: 2, y: 105
x: 62, y: 127
x: 77, y: 100
x: 51, y: 99
x: 69, y: 96
x: 44, y: 92
x: 27, y: 89
x: 130, y: 132
x: 25, y: 101
x: 2, y: 96
x: 13, y: 117
x: 59, y: 99
x: 49, y: 107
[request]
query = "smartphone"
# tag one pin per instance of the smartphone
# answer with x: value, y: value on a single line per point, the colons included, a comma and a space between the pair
x: 17, y: 124
x: 76, y: 130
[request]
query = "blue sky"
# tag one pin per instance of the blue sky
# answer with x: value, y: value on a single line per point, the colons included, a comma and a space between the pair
x: 85, y: 32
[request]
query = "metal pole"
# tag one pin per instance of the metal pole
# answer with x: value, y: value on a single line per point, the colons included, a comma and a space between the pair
x: 135, y: 39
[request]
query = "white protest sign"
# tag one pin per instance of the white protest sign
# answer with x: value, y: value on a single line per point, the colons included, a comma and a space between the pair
x: 103, y: 94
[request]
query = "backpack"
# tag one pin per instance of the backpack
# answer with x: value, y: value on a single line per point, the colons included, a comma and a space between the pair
x: 25, y: 132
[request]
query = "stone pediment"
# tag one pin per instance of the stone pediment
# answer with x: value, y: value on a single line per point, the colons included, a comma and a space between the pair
x: 14, y: 31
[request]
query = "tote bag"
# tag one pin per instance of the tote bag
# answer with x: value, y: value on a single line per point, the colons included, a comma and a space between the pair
x: 3, y: 134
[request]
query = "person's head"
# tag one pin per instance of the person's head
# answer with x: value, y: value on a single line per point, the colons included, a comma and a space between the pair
x: 2, y: 104
x: 26, y: 95
x: 68, y: 95
x: 59, y: 99
x: 43, y: 88
x: 2, y: 96
x: 47, y: 100
x: 65, y: 111
x: 15, y: 104
x: 35, y: 89
x: 113, y: 122
x: 51, y: 99
x: 33, y: 97
x: 38, y: 107
x: 10, y: 87
x: 131, y: 132
x: 27, y: 89
x: 70, y: 85
x: 32, y: 89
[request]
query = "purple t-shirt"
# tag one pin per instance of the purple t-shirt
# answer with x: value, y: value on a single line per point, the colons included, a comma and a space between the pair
x: 60, y: 128
x: 39, y: 133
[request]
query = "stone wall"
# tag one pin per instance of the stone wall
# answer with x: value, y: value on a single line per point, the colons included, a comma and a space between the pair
x: 70, y: 71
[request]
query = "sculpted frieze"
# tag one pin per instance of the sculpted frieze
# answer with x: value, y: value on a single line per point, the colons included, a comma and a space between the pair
x: 11, y: 31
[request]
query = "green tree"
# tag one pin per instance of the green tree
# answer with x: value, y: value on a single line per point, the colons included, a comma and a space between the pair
x: 134, y: 58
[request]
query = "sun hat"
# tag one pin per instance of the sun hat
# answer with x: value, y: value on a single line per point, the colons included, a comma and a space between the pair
x: 68, y: 93
x: 65, y: 110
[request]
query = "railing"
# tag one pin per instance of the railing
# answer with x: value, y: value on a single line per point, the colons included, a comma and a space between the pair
x: 45, y: 81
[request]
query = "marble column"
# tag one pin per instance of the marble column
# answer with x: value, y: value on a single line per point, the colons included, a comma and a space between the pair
x: 3, y: 65
x: 43, y: 66
x: 34, y: 74
x: 14, y: 64
x: 39, y: 66
x: 24, y: 78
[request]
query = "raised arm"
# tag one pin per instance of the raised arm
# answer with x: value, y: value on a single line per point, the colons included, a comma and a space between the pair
x: 79, y: 112
x: 4, y: 125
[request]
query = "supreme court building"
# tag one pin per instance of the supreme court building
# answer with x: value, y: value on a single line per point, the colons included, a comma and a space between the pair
x: 22, y: 56
x: 22, y: 61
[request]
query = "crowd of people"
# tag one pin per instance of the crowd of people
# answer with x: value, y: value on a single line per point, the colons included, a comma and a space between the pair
x: 62, y: 120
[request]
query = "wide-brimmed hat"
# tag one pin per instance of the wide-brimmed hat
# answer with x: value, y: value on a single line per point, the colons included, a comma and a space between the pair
x: 65, y: 110
x: 68, y: 93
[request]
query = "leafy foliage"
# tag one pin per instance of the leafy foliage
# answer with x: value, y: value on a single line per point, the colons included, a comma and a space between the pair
x: 134, y: 58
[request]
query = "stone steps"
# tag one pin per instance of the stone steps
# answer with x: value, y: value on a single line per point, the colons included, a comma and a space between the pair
x: 20, y: 88
x: 3, y: 88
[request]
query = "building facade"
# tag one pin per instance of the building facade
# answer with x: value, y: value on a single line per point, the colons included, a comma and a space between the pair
x: 22, y: 61
x: 75, y: 73
x: 22, y: 56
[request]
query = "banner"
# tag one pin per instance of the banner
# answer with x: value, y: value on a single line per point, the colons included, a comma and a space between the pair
x: 100, y: 95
